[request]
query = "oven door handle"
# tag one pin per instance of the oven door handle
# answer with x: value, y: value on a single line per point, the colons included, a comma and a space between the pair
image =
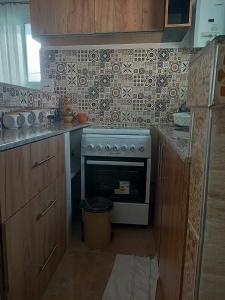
x: 115, y: 163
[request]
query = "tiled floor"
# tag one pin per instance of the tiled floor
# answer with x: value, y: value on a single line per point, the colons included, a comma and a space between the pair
x: 83, y: 273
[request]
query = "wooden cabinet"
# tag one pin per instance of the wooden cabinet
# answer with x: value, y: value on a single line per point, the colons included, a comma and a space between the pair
x: 47, y: 162
x: 35, y: 240
x: 104, y: 15
x: 159, y: 194
x: 19, y: 251
x: 91, y: 16
x: 60, y: 17
x: 50, y: 228
x: 2, y: 186
x: 61, y: 215
x: 34, y: 232
x: 80, y: 16
x: 178, y: 13
x: 128, y: 15
x: 27, y: 170
x: 171, y: 219
x: 48, y: 17
x: 153, y: 14
x: 17, y: 172
x: 138, y: 15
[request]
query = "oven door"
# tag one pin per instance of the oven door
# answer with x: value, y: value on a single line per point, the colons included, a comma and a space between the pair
x: 119, y: 179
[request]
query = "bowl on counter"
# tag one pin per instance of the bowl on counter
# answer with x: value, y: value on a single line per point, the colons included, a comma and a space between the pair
x: 82, y: 117
x: 182, y: 119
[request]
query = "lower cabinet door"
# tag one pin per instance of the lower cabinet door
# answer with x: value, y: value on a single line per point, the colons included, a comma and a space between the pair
x: 18, y: 253
x: 34, y: 242
x: 173, y: 224
x: 46, y: 163
x: 61, y: 215
x: 50, y: 231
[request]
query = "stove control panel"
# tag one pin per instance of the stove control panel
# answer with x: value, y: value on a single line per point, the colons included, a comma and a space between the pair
x: 121, y: 146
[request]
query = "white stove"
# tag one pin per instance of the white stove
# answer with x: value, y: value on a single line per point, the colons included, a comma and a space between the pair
x: 116, y: 163
x: 120, y: 142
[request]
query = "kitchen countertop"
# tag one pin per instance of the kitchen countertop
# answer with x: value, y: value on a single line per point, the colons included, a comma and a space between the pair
x: 179, y: 140
x: 11, y: 138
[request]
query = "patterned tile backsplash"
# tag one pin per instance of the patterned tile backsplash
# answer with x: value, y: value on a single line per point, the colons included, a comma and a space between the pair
x: 21, y: 97
x: 126, y: 87
x: 14, y: 97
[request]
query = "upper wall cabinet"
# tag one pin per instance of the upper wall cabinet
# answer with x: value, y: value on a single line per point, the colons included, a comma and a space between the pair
x: 128, y: 15
x: 178, y: 13
x: 95, y: 16
x: 61, y: 17
x: 80, y: 16
x: 48, y: 17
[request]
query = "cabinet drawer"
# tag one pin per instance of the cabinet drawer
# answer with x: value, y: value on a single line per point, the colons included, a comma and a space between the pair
x: 50, y: 222
x: 19, y: 255
x: 47, y: 269
x: 47, y: 163
x: 34, y: 241
x: 61, y: 214
x: 17, y: 173
x: 45, y: 215
x: 2, y: 185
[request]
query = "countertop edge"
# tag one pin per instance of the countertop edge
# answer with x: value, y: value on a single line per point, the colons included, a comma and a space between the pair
x: 184, y: 151
x: 39, y: 136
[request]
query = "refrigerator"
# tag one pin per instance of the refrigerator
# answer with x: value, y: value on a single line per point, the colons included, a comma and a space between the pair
x: 204, y: 266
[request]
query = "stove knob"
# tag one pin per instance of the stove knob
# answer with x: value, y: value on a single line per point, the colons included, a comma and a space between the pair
x: 132, y: 148
x: 90, y: 147
x: 142, y: 149
x: 115, y: 148
x: 124, y: 148
x: 99, y: 147
x: 107, y: 148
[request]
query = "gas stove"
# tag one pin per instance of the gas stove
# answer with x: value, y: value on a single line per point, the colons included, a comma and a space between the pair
x: 120, y: 142
x: 116, y: 163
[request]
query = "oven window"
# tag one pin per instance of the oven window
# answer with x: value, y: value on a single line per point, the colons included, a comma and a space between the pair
x: 120, y: 183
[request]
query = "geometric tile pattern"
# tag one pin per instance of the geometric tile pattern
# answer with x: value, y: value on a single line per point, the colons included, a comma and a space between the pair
x: 126, y: 87
x: 16, y: 97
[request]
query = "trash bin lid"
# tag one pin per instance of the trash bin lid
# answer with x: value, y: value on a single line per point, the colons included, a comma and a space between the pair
x: 97, y: 204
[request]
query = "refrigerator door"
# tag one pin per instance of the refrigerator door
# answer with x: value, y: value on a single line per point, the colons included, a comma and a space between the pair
x: 219, y: 98
x: 202, y: 77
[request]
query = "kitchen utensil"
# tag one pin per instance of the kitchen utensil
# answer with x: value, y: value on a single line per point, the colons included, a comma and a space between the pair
x: 68, y: 119
x: 13, y: 120
x: 38, y: 116
x: 29, y: 118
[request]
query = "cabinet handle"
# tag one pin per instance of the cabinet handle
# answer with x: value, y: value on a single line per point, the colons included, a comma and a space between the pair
x: 42, y: 267
x: 38, y: 163
x: 44, y: 212
x: 162, y: 162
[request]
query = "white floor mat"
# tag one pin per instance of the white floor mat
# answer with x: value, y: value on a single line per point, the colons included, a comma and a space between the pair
x: 132, y: 278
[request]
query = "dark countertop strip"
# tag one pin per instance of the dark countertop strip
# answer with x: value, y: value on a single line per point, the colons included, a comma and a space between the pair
x: 12, y: 138
x: 179, y: 140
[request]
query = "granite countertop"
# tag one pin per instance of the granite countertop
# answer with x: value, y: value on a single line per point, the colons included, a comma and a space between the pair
x: 179, y: 140
x: 11, y: 138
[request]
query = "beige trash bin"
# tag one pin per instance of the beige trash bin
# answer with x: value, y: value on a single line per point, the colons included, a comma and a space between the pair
x: 97, y: 222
